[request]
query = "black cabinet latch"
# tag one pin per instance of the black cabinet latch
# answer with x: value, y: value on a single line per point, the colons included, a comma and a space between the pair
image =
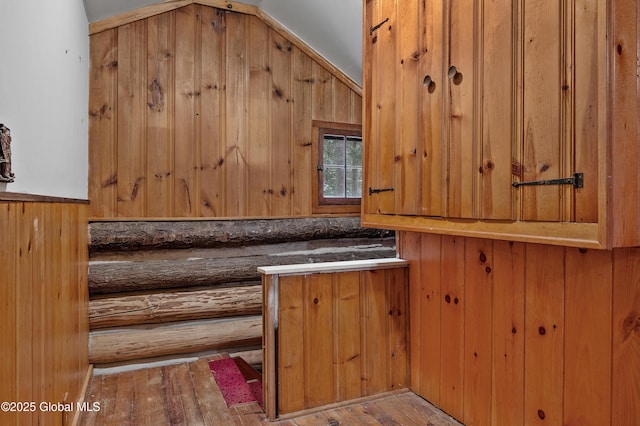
x: 375, y: 27
x: 378, y: 190
x: 577, y: 181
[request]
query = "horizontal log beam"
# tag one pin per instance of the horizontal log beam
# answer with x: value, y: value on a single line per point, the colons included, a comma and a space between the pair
x: 117, y: 276
x: 121, y: 235
x: 172, y: 306
x: 117, y: 345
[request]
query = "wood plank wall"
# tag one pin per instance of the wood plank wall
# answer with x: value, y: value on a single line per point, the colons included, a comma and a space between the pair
x: 202, y: 112
x: 43, y: 320
x: 512, y: 333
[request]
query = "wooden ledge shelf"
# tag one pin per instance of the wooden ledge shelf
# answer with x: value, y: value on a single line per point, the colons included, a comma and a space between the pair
x: 331, y: 267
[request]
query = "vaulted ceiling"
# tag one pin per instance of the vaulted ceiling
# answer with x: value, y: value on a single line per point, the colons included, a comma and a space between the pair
x: 333, y: 28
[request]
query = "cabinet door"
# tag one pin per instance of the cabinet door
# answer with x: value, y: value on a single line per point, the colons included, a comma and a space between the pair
x: 380, y: 111
x: 560, y: 109
x: 460, y: 105
x: 404, y: 81
x: 463, y: 98
x: 498, y: 80
x: 431, y: 88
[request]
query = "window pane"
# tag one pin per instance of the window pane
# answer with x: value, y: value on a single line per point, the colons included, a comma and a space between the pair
x: 333, y: 147
x: 333, y: 185
x: 354, y: 182
x: 354, y: 151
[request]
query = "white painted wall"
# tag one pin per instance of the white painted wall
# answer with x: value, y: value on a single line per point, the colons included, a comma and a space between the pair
x: 333, y: 28
x: 44, y: 92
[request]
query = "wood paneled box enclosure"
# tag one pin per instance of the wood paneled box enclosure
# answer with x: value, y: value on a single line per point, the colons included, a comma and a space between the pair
x: 333, y: 332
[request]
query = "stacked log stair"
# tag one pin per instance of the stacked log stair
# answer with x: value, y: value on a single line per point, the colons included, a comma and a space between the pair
x: 171, y: 289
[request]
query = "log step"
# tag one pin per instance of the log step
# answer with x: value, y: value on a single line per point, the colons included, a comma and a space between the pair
x: 171, y: 306
x: 114, y: 276
x: 126, y: 344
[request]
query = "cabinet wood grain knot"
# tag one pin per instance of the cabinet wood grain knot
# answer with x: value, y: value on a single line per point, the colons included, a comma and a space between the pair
x: 631, y: 326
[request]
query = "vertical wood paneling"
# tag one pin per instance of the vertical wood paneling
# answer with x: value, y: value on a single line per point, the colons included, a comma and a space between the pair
x: 355, y: 108
x: 280, y: 125
x: 431, y: 111
x: 542, y: 108
x: 259, y: 119
x: 301, y: 89
x: 430, y: 338
x: 341, y: 109
x: 160, y: 100
x: 44, y: 327
x: 625, y: 126
x: 507, y: 401
x: 498, y: 109
x: 322, y: 101
x: 385, y: 105
x: 217, y: 110
x: 561, y: 325
x: 348, y: 356
x: 452, y: 310
x: 460, y: 89
x: 397, y: 328
x: 132, y: 108
x: 589, y: 108
x: 375, y: 368
x: 82, y: 327
x: 291, y: 386
x: 406, y: 159
x: 544, y: 334
x: 237, y: 73
x: 187, y: 103
x: 8, y: 293
x: 409, y: 246
x: 319, y: 380
x: 24, y: 314
x: 57, y: 275
x: 270, y: 363
x: 369, y: 124
x: 212, y: 112
x: 103, y: 130
x: 587, y: 370
x: 625, y: 392
x: 478, y: 298
x: 39, y: 302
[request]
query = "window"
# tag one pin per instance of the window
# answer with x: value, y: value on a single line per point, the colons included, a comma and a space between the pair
x: 338, y: 160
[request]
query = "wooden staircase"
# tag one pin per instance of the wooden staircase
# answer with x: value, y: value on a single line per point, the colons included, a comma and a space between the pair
x: 187, y: 288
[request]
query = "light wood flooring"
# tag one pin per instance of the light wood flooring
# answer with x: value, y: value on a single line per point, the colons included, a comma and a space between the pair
x: 187, y: 394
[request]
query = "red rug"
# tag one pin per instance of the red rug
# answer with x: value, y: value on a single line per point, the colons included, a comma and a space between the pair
x: 233, y: 385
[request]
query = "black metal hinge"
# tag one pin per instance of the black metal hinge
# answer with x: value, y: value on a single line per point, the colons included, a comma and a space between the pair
x: 577, y: 181
x: 375, y: 27
x: 378, y: 190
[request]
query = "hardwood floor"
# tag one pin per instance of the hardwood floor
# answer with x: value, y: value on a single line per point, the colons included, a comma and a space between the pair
x: 187, y: 394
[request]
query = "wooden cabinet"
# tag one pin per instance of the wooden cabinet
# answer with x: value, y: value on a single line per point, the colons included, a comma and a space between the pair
x: 465, y: 100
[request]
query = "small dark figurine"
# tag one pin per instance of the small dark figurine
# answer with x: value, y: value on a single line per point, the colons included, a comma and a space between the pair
x: 5, y: 155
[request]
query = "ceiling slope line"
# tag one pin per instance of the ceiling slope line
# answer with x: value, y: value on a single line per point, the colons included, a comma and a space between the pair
x: 167, y: 6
